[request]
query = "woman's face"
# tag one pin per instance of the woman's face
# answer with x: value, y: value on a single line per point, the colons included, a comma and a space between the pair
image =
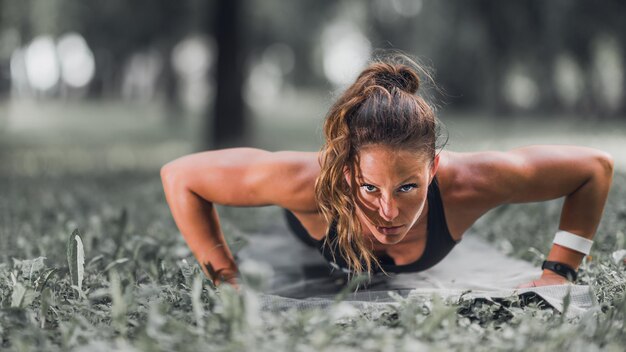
x: 392, y: 189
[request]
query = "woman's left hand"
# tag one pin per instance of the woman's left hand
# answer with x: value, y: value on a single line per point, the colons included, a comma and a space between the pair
x: 547, y: 279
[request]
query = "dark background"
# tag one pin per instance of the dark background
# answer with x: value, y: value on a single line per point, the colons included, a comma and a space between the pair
x: 129, y: 85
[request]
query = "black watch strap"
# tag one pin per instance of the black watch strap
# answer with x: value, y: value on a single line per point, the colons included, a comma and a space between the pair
x: 562, y: 269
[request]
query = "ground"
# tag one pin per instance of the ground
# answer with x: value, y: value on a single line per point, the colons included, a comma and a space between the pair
x: 142, y: 290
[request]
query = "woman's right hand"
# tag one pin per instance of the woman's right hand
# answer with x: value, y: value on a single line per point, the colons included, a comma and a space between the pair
x: 232, y: 280
x: 224, y: 275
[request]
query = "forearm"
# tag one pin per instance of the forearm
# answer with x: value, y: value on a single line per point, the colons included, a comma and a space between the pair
x: 198, y: 222
x: 581, y: 214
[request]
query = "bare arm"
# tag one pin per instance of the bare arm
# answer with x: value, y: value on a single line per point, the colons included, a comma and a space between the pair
x: 535, y: 173
x: 235, y: 177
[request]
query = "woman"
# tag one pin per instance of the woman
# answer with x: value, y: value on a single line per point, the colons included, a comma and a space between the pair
x: 378, y: 196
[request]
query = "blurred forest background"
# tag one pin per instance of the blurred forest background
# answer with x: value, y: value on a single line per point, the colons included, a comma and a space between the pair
x: 96, y: 86
x: 96, y: 96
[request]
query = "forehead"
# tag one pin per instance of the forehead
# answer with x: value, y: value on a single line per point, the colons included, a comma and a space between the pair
x: 384, y: 162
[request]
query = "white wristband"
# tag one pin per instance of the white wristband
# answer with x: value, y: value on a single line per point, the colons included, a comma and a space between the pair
x: 573, y: 241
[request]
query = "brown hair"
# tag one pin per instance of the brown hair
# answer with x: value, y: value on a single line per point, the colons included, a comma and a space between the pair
x: 381, y: 107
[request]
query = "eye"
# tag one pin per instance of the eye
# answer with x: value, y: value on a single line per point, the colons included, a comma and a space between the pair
x: 404, y: 189
x: 408, y: 187
x: 368, y: 188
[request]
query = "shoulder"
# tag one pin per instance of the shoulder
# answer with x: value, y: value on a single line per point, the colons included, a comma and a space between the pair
x: 289, y: 178
x: 483, y: 179
x: 286, y: 179
x: 248, y: 177
x: 473, y: 183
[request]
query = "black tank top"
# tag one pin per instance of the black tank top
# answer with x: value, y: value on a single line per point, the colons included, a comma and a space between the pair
x: 439, y: 242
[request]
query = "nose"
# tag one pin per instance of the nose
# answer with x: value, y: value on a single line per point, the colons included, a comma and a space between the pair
x: 388, y: 209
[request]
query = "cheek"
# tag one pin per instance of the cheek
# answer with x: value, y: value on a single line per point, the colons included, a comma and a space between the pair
x: 420, y: 201
x: 367, y: 199
x: 413, y: 205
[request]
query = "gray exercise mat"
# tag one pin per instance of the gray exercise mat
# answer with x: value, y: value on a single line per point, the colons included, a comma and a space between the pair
x: 581, y: 298
x: 303, y: 279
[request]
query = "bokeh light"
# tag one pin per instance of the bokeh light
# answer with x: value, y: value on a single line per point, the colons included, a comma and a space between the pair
x: 77, y: 60
x: 266, y: 80
x: 568, y: 80
x: 192, y: 59
x: 520, y: 89
x: 42, y: 64
x: 608, y: 72
x: 345, y: 52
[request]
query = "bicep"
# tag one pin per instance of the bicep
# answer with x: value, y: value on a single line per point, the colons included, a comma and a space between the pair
x: 537, y: 173
x: 246, y: 177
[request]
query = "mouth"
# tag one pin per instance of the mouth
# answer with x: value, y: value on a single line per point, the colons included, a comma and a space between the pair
x: 389, y: 230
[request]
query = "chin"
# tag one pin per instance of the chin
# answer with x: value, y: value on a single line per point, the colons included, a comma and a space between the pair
x: 389, y: 239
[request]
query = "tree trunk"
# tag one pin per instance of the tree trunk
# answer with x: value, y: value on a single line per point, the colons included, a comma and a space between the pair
x: 228, y: 125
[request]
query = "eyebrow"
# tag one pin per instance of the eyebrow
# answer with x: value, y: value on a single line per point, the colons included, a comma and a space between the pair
x: 401, y: 183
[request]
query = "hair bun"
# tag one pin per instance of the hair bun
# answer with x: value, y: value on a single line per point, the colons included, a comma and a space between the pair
x: 399, y: 76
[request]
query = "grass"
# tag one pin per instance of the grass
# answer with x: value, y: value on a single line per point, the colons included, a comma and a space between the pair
x: 142, y: 290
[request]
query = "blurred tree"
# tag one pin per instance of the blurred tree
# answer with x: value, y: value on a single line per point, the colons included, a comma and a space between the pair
x: 474, y: 45
x: 117, y: 29
x: 296, y: 24
x: 228, y: 116
x: 13, y: 33
x: 585, y: 24
x: 509, y: 36
x: 4, y: 68
x: 173, y: 24
x: 15, y: 14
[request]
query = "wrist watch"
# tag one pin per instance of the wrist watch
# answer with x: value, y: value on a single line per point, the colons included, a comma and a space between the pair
x: 562, y: 269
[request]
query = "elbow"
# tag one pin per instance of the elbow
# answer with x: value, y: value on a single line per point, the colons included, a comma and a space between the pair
x: 605, y: 164
x: 166, y: 172
x: 602, y: 170
x: 169, y: 176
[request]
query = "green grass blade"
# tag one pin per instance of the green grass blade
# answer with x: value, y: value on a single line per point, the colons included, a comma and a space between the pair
x: 76, y: 258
